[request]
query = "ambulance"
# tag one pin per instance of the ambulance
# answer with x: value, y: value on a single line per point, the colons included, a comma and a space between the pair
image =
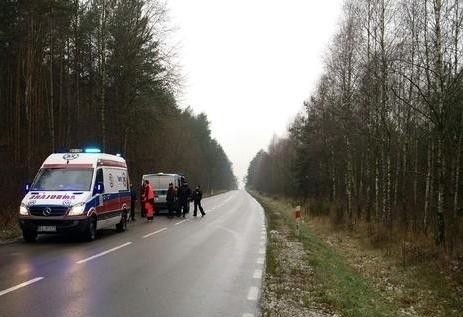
x: 79, y: 192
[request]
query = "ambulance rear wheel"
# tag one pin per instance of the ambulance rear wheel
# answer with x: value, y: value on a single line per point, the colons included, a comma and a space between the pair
x: 30, y: 235
x: 90, y: 233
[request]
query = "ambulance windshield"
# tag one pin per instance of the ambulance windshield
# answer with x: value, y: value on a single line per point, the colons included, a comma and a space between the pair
x: 63, y: 179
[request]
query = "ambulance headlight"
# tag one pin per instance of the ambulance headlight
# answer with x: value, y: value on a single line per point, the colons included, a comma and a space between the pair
x: 77, y: 210
x: 23, y: 211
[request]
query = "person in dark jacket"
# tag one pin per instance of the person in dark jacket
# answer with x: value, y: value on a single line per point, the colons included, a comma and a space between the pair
x: 197, y: 196
x: 170, y: 199
x: 184, y: 195
x: 133, y: 196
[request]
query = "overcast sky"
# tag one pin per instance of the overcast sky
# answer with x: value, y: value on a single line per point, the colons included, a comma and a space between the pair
x: 250, y: 64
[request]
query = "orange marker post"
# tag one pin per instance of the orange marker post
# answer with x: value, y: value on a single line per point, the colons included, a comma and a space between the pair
x: 298, y: 216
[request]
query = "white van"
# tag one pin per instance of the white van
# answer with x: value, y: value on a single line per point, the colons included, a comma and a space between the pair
x: 160, y: 183
x: 80, y: 191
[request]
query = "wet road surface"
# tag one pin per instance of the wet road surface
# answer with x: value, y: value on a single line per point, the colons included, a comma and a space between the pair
x: 209, y: 266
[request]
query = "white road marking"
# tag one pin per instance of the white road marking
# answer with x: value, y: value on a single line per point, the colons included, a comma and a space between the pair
x: 177, y: 223
x: 262, y: 251
x: 257, y: 274
x: 248, y: 315
x: 260, y: 260
x: 153, y: 233
x: 6, y: 291
x: 253, y: 292
x: 103, y: 253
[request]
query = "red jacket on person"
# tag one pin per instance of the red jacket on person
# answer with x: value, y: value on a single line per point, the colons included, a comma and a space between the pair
x: 149, y: 200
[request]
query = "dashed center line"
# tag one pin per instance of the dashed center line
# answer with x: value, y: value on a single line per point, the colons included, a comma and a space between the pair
x: 257, y: 274
x: 253, y: 293
x: 103, y: 253
x: 153, y: 233
x: 180, y: 222
x: 8, y: 290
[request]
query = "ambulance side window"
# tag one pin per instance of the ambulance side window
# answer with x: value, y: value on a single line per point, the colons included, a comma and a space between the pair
x: 99, y: 176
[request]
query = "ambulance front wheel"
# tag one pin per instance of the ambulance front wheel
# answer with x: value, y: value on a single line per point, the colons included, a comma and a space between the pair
x: 90, y: 232
x: 29, y: 235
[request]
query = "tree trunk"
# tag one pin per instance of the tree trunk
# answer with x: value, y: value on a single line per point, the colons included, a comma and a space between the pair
x: 103, y: 74
x: 51, y: 111
x: 428, y: 191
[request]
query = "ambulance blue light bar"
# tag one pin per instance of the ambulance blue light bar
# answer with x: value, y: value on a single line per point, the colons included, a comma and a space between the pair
x: 92, y: 150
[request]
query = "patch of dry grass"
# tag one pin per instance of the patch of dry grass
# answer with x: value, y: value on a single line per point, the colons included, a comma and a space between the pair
x: 410, y: 274
x: 9, y: 228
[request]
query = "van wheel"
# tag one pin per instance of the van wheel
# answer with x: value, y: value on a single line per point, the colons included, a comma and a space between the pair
x: 30, y: 235
x: 90, y: 233
x: 122, y: 226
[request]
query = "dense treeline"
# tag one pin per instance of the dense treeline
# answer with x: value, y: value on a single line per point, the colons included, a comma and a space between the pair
x: 381, y: 136
x: 75, y: 73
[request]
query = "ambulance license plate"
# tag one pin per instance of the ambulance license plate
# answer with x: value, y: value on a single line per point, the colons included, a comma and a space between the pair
x: 46, y: 228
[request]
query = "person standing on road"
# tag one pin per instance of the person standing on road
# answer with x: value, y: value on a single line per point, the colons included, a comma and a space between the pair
x: 133, y: 196
x: 197, y: 196
x: 184, y: 195
x: 176, y: 203
x: 149, y: 200
x: 170, y: 199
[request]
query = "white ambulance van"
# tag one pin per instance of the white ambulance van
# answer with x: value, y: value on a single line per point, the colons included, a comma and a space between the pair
x: 80, y: 192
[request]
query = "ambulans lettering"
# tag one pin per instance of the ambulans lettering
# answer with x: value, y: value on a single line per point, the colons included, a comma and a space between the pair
x: 38, y: 196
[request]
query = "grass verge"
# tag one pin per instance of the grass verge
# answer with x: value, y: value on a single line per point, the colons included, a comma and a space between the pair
x: 338, y: 285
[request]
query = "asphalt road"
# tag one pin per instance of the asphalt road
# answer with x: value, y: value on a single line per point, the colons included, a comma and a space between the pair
x: 209, y: 266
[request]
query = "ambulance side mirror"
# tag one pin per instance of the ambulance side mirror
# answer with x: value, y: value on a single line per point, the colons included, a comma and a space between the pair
x: 99, y: 188
x: 27, y: 187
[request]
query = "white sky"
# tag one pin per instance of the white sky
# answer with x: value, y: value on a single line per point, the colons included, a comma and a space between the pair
x: 250, y: 64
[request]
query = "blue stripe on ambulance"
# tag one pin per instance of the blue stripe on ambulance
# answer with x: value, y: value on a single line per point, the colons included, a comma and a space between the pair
x: 94, y: 202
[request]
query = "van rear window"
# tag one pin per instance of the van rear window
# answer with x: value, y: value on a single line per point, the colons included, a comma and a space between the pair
x: 63, y: 179
x: 160, y: 181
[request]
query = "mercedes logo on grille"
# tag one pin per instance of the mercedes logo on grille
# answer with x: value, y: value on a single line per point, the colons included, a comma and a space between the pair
x: 46, y: 211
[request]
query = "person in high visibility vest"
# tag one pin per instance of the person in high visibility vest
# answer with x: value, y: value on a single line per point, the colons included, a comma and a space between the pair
x: 148, y: 199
